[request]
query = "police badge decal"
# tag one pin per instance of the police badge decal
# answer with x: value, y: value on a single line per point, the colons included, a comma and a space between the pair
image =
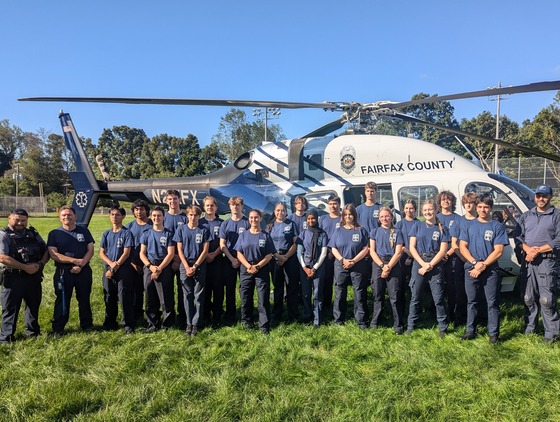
x: 348, y: 159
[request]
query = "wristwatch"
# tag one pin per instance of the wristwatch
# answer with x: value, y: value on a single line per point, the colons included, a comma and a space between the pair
x: 474, y: 262
x: 257, y: 267
x: 195, y: 265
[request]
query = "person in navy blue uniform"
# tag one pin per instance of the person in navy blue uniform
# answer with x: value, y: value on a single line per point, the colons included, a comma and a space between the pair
x: 428, y: 245
x: 214, y: 290
x: 174, y: 218
x: 469, y: 204
x: 350, y: 246
x: 140, y: 209
x: 284, y: 266
x: 405, y: 226
x: 329, y: 223
x: 452, y: 265
x: 157, y: 250
x: 385, y: 247
x: 368, y: 217
x: 254, y: 251
x: 540, y: 237
x: 71, y: 248
x: 229, y: 233
x: 312, y: 252
x: 481, y: 244
x: 23, y: 255
x: 192, y: 247
x: 118, y: 282
x: 299, y: 216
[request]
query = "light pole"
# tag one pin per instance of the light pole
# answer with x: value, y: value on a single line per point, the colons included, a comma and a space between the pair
x: 269, y: 113
x: 497, y: 99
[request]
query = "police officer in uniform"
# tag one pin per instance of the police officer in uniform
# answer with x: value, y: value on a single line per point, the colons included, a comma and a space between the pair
x: 540, y: 234
x: 23, y: 255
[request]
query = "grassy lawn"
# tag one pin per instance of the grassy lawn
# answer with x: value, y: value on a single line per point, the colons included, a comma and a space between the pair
x: 295, y: 373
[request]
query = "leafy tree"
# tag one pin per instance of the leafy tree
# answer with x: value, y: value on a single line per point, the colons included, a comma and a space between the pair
x: 236, y: 135
x: 485, y: 124
x: 212, y: 158
x: 11, y: 139
x: 121, y: 148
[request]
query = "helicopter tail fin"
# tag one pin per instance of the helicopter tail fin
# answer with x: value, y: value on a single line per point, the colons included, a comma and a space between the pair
x: 86, y: 187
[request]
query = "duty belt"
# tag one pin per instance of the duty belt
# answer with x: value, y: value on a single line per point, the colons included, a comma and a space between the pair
x: 385, y: 258
x: 548, y: 255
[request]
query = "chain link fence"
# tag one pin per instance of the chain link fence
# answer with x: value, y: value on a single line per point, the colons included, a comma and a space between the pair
x: 532, y: 171
x: 32, y: 204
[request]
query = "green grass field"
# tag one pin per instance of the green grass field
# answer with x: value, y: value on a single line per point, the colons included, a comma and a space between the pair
x: 295, y: 373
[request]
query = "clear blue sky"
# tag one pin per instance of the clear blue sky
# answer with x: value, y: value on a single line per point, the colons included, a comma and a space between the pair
x: 285, y: 50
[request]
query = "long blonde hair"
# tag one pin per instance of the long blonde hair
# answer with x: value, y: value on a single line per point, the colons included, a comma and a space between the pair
x: 391, y: 225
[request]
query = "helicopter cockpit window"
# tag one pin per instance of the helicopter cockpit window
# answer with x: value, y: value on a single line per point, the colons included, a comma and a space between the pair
x: 355, y: 195
x: 504, y: 210
x: 315, y: 159
x: 418, y: 193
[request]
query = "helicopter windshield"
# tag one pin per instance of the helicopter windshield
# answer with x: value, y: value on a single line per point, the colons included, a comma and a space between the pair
x: 524, y: 193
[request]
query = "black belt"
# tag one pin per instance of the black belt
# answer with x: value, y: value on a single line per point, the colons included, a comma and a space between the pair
x: 282, y: 251
x: 254, y: 262
x: 191, y: 262
x: 156, y: 262
x: 427, y: 255
x: 385, y: 258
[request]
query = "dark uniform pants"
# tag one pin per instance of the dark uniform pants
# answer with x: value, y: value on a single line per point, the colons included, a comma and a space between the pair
x: 160, y: 293
x: 193, y: 295
x: 540, y: 290
x: 120, y: 288
x: 287, y: 274
x: 313, y: 286
x: 18, y: 288
x: 214, y: 296
x: 82, y: 282
x: 247, y: 284
x: 392, y: 284
x: 487, y: 285
x: 342, y: 277
x: 417, y: 282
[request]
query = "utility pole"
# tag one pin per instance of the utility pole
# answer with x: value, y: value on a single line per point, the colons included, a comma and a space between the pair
x: 497, y: 99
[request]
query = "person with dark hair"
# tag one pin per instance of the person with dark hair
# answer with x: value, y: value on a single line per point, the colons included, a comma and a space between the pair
x: 312, y: 251
x: 368, y: 217
x: 429, y: 241
x: 299, y: 215
x: 174, y: 218
x: 254, y: 251
x: 118, y: 283
x: 140, y: 209
x: 284, y: 266
x: 71, y: 248
x: 214, y: 289
x: 482, y: 243
x: 329, y: 223
x: 23, y: 255
x: 157, y: 250
x: 385, y: 248
x: 540, y: 237
x: 405, y: 226
x: 229, y: 233
x: 452, y: 264
x: 192, y: 247
x: 350, y: 246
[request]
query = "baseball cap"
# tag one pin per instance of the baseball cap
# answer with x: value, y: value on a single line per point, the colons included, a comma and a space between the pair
x: 543, y: 189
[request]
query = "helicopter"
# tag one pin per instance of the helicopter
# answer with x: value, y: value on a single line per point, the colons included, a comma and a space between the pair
x: 320, y: 164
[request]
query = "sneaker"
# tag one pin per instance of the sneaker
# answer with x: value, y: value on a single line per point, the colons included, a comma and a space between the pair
x: 194, y: 331
x: 442, y: 334
x: 265, y: 331
x: 373, y: 326
x: 549, y: 340
x: 468, y: 336
x: 409, y: 332
x: 494, y: 339
x: 247, y: 325
x: 399, y: 331
x: 188, y: 330
x: 151, y: 329
x: 128, y: 330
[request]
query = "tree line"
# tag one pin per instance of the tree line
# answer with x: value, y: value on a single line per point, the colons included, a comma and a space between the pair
x: 41, y: 158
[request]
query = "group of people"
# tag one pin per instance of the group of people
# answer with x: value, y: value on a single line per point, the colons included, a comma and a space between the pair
x: 306, y: 257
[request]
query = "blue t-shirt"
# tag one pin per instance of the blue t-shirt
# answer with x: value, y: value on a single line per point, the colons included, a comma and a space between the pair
x: 157, y: 243
x: 458, y: 226
x: 137, y: 230
x: 405, y: 227
x: 172, y: 221
x: 329, y: 224
x: 429, y: 237
x: 72, y: 243
x: 368, y: 216
x: 383, y: 238
x: 482, y: 237
x: 254, y: 246
x: 283, y: 233
x: 300, y: 220
x: 349, y: 242
x: 114, y: 243
x: 230, y: 231
x: 213, y: 227
x: 305, y: 239
x: 449, y: 220
x: 191, y: 240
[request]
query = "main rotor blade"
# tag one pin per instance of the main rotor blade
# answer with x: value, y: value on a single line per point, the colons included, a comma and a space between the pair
x: 531, y: 151
x: 534, y: 87
x: 186, y: 101
x: 328, y: 128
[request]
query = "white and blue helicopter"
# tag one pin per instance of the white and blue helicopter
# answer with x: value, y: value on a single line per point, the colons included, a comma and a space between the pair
x: 320, y: 164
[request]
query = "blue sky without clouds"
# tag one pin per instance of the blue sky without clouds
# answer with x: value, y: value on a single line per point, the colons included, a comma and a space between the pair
x: 288, y: 50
